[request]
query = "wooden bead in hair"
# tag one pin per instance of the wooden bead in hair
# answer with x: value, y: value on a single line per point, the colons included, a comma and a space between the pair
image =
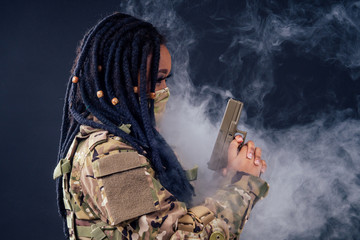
x: 136, y: 89
x: 99, y: 94
x: 115, y: 101
x: 75, y: 79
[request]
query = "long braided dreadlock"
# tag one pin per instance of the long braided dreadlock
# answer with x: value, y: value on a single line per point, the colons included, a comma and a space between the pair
x: 109, y: 59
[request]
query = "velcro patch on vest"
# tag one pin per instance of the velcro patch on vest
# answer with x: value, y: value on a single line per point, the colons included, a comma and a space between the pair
x: 125, y: 184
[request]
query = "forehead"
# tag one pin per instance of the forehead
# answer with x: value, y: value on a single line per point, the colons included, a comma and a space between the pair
x: 165, y: 59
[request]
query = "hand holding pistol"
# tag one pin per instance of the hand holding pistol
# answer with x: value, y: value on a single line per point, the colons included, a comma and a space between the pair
x: 227, y: 132
x: 233, y: 154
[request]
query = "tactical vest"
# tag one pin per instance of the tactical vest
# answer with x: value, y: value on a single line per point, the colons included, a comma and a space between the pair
x: 97, y: 228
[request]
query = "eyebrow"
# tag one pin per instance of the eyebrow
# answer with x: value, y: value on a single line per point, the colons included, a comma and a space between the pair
x: 165, y: 71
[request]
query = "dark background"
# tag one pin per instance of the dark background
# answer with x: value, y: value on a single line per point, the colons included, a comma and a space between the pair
x: 38, y: 42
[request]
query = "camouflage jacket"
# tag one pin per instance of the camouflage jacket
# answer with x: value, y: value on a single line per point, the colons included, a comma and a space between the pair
x: 113, y: 184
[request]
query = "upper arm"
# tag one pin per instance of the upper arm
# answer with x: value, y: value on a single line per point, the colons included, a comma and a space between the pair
x: 125, y: 186
x: 116, y: 182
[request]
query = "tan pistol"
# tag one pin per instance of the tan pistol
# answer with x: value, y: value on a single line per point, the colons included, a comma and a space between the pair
x: 227, y: 132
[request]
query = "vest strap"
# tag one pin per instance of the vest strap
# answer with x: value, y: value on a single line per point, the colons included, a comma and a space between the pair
x: 63, y: 167
x: 94, y: 231
x: 191, y: 174
x: 199, y: 215
x: 125, y: 128
x: 83, y: 231
x: 97, y: 233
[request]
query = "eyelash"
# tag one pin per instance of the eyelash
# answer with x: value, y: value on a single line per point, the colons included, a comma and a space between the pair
x: 164, y: 78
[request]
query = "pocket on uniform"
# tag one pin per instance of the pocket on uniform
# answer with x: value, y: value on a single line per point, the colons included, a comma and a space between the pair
x: 125, y: 185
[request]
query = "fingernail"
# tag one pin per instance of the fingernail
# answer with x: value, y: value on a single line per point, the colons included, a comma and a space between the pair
x: 239, y: 138
x: 250, y: 155
x: 257, y: 162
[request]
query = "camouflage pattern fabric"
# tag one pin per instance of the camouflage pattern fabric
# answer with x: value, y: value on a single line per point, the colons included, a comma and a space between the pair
x: 231, y: 204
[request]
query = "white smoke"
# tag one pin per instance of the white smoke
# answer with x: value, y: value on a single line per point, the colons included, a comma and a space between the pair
x: 313, y: 177
x: 313, y: 169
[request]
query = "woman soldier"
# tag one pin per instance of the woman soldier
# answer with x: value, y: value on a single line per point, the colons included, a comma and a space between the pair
x: 117, y: 178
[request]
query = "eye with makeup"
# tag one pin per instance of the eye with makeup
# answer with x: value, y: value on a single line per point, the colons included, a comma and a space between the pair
x: 163, y: 78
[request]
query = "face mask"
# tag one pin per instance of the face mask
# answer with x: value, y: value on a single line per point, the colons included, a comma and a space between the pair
x: 161, y: 98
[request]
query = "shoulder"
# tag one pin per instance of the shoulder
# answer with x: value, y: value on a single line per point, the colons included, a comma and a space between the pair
x: 122, y: 177
x: 94, y: 144
x: 100, y: 141
x: 110, y: 154
x: 105, y: 143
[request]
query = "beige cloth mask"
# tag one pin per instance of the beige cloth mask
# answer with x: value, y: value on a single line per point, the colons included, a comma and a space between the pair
x: 161, y: 98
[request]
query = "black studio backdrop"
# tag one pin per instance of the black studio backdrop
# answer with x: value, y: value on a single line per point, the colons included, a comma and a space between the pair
x: 38, y: 43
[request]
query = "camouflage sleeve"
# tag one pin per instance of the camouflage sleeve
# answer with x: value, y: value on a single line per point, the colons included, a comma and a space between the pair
x: 231, y: 205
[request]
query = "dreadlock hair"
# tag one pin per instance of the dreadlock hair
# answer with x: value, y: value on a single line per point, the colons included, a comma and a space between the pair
x: 120, y: 44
